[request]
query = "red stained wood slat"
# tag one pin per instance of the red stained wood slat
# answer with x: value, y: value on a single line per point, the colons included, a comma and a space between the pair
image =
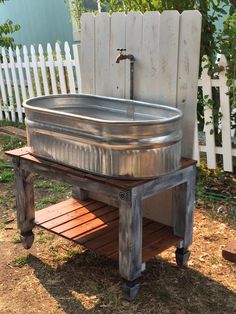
x: 163, y: 240
x: 62, y: 208
x: 93, y: 224
x: 83, y: 219
x: 96, y: 233
x: 75, y: 214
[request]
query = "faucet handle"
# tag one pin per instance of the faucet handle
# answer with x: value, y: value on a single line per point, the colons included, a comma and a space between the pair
x: 121, y: 49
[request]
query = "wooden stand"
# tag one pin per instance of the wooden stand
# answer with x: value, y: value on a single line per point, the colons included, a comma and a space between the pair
x: 105, y: 214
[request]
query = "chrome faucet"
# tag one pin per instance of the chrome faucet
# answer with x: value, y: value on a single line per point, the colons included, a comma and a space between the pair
x: 132, y: 59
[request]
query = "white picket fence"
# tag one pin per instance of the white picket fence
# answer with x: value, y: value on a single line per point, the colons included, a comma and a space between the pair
x: 40, y: 73
x: 24, y: 75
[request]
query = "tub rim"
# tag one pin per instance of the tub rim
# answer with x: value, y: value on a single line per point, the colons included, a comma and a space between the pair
x: 178, y: 116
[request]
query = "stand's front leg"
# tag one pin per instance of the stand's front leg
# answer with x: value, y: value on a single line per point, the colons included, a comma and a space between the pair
x: 130, y: 241
x: 24, y: 204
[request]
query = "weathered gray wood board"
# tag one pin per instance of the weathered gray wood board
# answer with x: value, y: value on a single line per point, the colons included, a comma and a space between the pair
x: 166, y: 49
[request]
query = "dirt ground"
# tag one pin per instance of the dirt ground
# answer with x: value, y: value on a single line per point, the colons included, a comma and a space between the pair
x: 57, y: 276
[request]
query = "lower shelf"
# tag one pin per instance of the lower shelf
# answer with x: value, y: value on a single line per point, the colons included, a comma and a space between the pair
x: 95, y: 225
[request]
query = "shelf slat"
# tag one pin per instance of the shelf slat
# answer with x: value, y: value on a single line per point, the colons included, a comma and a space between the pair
x: 95, y: 225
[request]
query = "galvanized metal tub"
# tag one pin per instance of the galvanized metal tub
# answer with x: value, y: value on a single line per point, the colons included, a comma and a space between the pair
x: 107, y: 136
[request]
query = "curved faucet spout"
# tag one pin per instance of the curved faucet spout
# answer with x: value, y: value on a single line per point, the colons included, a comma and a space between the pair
x: 122, y: 56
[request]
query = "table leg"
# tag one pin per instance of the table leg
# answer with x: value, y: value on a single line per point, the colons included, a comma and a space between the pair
x: 130, y: 241
x: 24, y: 204
x: 79, y: 193
x: 184, y: 201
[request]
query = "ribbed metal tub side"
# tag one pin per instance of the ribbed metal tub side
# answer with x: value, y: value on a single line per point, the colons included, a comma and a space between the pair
x: 128, y: 149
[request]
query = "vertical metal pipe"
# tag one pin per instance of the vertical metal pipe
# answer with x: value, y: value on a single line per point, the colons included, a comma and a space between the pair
x: 132, y: 79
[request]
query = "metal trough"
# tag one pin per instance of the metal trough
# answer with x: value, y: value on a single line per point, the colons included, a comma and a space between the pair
x: 103, y: 135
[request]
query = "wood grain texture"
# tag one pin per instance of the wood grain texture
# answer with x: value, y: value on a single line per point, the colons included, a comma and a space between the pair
x: 188, y: 67
x: 24, y: 199
x: 101, y: 235
x: 87, y: 54
x: 117, y: 70
x: 130, y: 236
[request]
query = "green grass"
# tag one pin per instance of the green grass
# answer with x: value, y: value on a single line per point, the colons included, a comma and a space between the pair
x: 12, y: 123
x: 20, y: 261
x: 7, y: 176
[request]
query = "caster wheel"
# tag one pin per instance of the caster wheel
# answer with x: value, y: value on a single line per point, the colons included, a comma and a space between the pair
x: 27, y: 239
x: 182, y: 256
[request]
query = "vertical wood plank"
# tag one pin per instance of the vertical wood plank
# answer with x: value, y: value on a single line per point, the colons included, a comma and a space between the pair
x: 134, y: 30
x: 69, y: 68
x: 15, y: 85
x: 166, y: 88
x: 51, y: 65
x: 24, y: 199
x: 208, y: 116
x: 42, y: 65
x: 188, y: 68
x: 4, y: 95
x: 150, y: 58
x: 196, y: 149
x: 19, y: 66
x: 130, y: 235
x: 28, y: 71
x: 87, y: 56
x: 35, y: 71
x: 8, y: 83
x: 225, y: 120
x: 117, y: 70
x: 60, y: 67
x: 1, y: 97
x: 102, y: 48
x: 77, y: 67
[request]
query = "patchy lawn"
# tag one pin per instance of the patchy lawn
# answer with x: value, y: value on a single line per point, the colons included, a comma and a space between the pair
x: 57, y: 276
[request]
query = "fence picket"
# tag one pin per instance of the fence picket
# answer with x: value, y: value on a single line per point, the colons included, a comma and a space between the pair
x: 42, y: 65
x: 15, y: 85
x: 35, y: 71
x: 4, y: 106
x: 77, y: 66
x: 9, y: 87
x: 27, y: 71
x: 60, y: 69
x: 51, y: 65
x: 68, y: 65
x: 209, y: 123
x: 225, y: 120
x: 19, y: 66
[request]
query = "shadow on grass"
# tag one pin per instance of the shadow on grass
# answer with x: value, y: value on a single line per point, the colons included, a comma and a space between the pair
x: 89, y: 283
